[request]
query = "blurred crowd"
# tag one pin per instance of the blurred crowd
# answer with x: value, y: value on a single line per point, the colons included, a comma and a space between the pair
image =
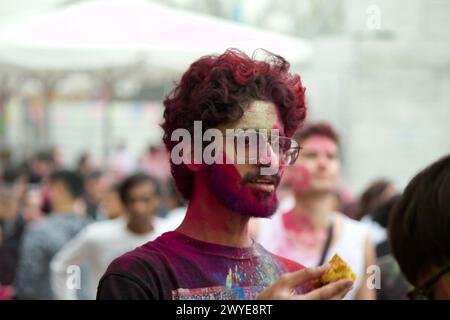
x: 45, y: 207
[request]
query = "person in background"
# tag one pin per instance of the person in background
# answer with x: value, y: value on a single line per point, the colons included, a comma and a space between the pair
x: 11, y: 231
x: 313, y: 230
x: 377, y: 194
x: 40, y: 167
x: 24, y: 214
x: 419, y: 232
x: 43, y: 239
x: 175, y: 206
x: 96, y: 185
x: 10, y: 204
x: 32, y: 207
x: 101, y: 242
x: 38, y: 170
x: 13, y: 221
x: 393, y: 286
x: 380, y: 217
x: 111, y: 205
x: 85, y: 164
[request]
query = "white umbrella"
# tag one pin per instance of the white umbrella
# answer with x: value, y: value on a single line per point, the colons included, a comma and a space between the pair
x: 116, y: 33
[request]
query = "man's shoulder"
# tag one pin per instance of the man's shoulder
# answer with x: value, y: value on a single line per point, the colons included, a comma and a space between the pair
x: 350, y: 224
x: 136, y: 274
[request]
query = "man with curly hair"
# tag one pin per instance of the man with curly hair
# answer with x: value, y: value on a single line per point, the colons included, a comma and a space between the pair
x: 237, y: 100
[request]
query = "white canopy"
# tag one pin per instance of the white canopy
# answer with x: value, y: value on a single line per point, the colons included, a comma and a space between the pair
x: 120, y: 32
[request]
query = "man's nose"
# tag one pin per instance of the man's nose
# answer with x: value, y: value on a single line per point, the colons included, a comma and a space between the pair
x: 268, y: 157
x: 322, y: 161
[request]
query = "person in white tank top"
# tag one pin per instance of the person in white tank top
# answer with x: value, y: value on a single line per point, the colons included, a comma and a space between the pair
x: 307, y: 228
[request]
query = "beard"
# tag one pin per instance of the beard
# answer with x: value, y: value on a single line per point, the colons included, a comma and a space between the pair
x: 230, y: 189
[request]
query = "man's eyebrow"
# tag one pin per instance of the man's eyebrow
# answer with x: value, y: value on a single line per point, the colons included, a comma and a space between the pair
x: 281, y: 132
x: 257, y: 129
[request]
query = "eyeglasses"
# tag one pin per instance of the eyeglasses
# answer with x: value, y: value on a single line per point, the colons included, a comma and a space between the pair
x: 425, y: 291
x: 251, y: 145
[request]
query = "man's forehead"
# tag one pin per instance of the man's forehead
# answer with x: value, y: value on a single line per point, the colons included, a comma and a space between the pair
x: 321, y: 142
x: 261, y: 115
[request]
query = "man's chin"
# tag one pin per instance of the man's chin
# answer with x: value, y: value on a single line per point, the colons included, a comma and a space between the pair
x: 243, y: 200
x: 323, y: 189
x: 266, y: 215
x: 260, y: 204
x: 316, y: 189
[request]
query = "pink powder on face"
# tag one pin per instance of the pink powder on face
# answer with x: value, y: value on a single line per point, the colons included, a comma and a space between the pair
x: 227, y: 185
x: 300, y: 178
x: 321, y: 146
x: 323, y: 143
x: 321, y: 164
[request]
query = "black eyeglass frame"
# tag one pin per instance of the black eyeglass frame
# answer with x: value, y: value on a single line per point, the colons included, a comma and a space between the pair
x: 295, y: 150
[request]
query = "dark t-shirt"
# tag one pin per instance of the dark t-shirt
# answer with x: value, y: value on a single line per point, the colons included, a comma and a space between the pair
x: 175, y: 266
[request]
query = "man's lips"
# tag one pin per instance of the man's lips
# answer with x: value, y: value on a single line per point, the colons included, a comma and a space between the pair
x: 263, y: 183
x: 262, y: 186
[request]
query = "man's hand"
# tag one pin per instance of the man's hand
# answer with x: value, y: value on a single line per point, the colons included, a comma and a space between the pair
x: 284, y: 288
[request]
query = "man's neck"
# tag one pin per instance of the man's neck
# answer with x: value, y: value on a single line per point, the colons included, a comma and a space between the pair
x: 140, y: 227
x: 63, y: 207
x: 209, y: 220
x: 317, y: 208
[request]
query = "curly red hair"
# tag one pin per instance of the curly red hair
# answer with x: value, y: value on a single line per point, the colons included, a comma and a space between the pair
x: 216, y: 89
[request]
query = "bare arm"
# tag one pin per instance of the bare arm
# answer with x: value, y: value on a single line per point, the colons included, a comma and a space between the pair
x: 364, y: 292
